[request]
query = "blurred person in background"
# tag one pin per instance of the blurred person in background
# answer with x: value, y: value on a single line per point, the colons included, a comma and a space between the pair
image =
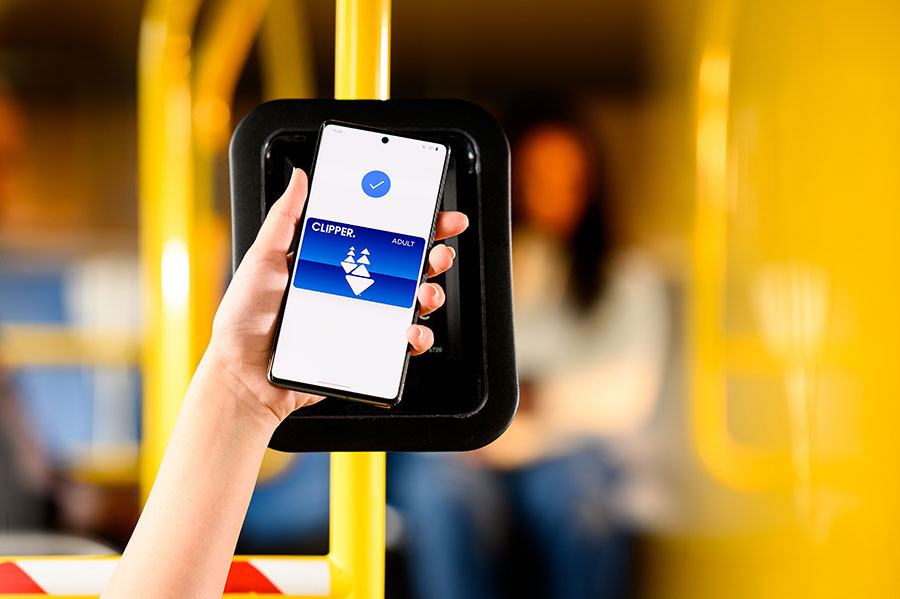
x: 548, y: 510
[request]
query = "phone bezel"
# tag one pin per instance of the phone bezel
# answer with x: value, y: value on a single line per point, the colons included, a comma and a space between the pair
x: 343, y: 393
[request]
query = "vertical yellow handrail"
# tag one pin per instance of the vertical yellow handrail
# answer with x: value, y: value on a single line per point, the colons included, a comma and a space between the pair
x: 362, y: 59
x: 362, y: 52
x: 166, y: 219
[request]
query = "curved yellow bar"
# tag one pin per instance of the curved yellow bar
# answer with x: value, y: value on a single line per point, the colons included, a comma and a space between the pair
x: 221, y: 54
x: 287, y: 64
x: 737, y: 464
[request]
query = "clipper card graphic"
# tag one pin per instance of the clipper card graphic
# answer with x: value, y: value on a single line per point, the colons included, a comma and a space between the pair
x: 358, y: 262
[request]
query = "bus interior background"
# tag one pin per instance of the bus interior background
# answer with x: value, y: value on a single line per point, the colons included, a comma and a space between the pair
x: 621, y: 116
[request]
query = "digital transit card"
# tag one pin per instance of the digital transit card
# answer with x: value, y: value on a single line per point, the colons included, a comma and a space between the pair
x: 360, y: 263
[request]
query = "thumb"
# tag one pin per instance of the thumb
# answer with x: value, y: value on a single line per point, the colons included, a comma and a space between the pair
x: 277, y: 231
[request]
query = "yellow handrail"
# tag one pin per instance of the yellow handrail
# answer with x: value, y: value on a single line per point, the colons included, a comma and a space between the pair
x: 166, y: 211
x: 362, y: 57
x: 362, y: 53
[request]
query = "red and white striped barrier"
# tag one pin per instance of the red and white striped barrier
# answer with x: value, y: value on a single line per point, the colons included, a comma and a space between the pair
x: 79, y: 576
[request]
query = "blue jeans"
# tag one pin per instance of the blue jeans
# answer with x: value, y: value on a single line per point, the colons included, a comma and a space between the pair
x: 546, y: 530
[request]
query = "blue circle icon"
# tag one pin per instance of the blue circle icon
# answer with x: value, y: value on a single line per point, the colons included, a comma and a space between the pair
x: 376, y: 183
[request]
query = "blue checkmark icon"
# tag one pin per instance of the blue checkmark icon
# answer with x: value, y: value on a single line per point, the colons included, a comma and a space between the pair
x: 375, y: 184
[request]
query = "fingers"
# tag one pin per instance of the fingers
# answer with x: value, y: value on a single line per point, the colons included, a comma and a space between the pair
x: 450, y: 224
x: 440, y: 260
x: 277, y: 231
x: 420, y: 338
x: 431, y: 297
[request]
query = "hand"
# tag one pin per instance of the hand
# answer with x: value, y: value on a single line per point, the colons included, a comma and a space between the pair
x: 244, y: 326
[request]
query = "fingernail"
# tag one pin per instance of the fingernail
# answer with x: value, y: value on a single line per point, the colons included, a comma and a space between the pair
x: 452, y: 253
x: 434, y: 291
x: 420, y: 333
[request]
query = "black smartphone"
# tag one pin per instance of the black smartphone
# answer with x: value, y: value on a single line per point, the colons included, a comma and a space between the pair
x: 360, y: 254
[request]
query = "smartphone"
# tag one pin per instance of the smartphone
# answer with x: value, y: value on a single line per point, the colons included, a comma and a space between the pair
x: 360, y: 256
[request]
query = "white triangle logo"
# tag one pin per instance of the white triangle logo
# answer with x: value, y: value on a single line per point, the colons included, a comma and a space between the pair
x: 358, y: 284
x: 357, y: 276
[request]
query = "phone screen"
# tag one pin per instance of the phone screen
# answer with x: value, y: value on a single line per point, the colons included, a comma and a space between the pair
x: 369, y: 220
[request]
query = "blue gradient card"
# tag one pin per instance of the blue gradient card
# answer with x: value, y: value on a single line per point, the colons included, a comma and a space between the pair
x: 358, y: 262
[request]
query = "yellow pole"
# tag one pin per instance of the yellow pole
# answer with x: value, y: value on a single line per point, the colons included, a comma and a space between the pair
x: 362, y: 57
x: 166, y: 219
x: 362, y: 50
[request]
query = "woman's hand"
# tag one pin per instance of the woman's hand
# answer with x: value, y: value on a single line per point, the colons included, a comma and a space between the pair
x: 244, y: 326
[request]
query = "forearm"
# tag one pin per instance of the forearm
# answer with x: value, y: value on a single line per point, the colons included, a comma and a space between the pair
x: 184, y: 541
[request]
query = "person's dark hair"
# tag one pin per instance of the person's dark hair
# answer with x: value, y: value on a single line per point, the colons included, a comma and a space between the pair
x: 592, y: 242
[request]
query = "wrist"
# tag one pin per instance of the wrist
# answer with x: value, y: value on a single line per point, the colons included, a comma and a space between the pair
x: 217, y: 383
